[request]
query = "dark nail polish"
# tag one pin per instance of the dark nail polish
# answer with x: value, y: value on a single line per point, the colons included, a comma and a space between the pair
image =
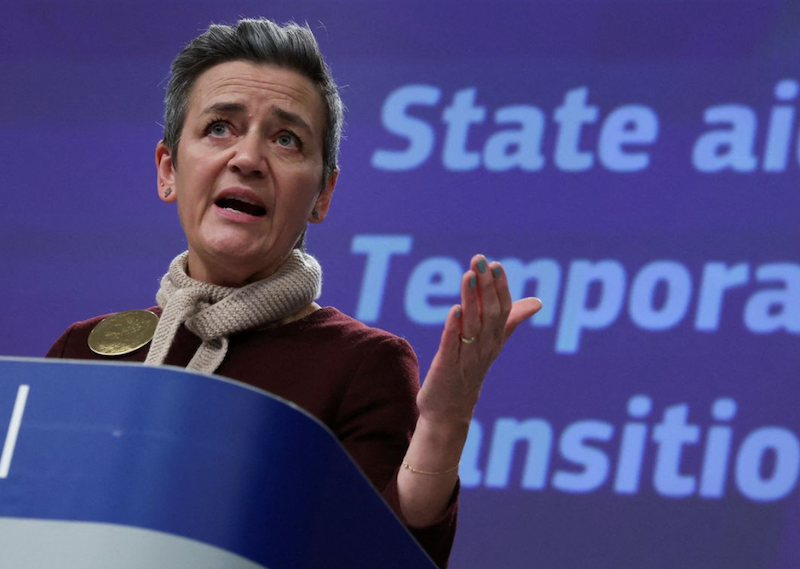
x: 458, y: 314
x: 482, y: 266
x: 497, y: 272
x: 473, y: 281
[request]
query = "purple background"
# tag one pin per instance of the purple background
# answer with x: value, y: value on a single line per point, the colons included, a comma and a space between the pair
x: 84, y: 233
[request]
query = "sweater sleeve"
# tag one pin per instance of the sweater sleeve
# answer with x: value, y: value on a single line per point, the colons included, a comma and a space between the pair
x: 375, y: 423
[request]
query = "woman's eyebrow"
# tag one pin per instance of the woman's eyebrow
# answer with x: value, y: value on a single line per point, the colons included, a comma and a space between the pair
x: 290, y: 118
x: 233, y: 108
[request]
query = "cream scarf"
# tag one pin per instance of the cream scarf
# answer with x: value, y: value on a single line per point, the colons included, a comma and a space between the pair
x: 215, y: 312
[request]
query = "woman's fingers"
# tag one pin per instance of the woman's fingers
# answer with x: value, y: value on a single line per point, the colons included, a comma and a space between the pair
x: 503, y: 301
x: 489, y: 304
x: 470, y: 308
x: 488, y: 310
x: 501, y: 288
x: 449, y: 344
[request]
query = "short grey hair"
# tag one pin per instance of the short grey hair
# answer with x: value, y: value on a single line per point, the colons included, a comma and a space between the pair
x: 259, y: 41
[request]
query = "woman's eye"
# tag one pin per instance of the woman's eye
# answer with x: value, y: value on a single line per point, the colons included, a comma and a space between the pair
x: 288, y: 140
x: 218, y: 129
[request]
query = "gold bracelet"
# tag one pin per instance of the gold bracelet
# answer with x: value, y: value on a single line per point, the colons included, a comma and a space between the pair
x: 417, y: 471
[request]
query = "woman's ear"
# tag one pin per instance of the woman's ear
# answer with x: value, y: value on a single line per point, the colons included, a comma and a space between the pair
x: 323, y: 202
x: 166, y: 173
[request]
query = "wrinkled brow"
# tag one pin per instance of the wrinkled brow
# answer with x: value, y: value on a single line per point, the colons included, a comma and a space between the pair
x: 225, y: 108
x: 292, y: 119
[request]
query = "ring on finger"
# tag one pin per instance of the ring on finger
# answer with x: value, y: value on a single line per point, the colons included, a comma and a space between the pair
x: 467, y: 340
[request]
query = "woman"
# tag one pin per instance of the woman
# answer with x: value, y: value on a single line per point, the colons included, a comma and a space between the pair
x: 252, y: 128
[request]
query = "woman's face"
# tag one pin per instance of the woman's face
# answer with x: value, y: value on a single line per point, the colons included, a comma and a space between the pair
x: 249, y: 170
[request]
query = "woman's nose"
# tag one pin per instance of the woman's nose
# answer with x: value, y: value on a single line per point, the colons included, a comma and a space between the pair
x: 249, y: 158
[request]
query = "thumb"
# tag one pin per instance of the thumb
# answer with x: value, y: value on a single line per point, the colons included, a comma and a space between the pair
x: 521, y: 310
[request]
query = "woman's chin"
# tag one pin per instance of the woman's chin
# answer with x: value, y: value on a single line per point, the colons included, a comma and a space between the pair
x: 231, y: 264
x: 235, y: 247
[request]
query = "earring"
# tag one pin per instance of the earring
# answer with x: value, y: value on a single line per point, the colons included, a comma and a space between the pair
x: 315, y: 214
x: 167, y: 192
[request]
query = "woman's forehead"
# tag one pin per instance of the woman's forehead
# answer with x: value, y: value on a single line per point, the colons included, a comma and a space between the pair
x: 257, y: 87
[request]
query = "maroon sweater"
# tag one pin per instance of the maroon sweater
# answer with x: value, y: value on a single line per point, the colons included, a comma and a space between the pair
x: 360, y: 381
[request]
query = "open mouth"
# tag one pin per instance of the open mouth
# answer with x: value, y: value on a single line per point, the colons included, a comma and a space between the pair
x: 237, y: 204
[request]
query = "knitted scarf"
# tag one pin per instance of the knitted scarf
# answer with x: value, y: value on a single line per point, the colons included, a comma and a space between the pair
x: 215, y: 312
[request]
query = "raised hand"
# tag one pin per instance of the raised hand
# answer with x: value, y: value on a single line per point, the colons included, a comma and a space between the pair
x: 473, y: 337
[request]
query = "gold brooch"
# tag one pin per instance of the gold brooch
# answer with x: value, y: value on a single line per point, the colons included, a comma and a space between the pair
x: 123, y: 333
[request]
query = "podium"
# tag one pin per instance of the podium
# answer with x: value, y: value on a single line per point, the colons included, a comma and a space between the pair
x: 126, y: 466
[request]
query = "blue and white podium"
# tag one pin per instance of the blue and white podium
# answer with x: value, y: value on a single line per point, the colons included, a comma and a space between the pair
x: 120, y: 465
